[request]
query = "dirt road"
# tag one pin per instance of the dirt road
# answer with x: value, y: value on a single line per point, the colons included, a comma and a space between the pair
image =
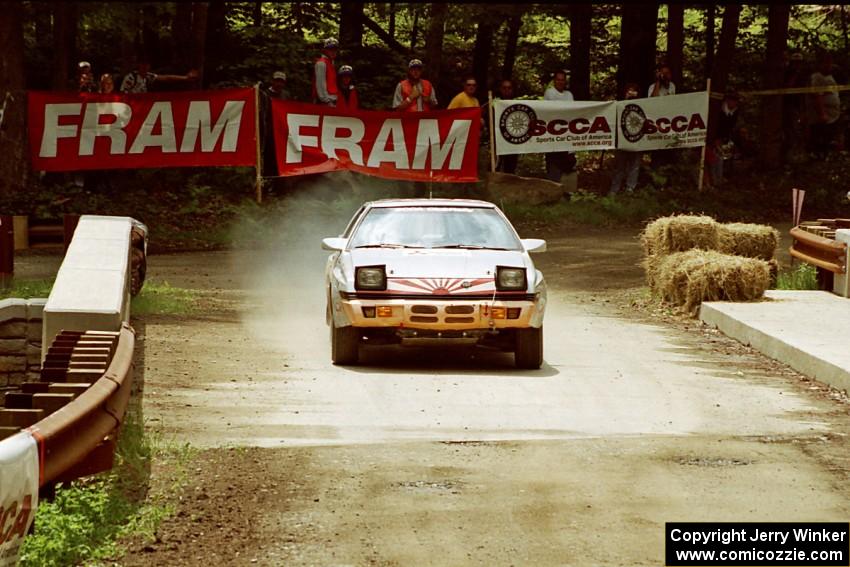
x: 419, y: 457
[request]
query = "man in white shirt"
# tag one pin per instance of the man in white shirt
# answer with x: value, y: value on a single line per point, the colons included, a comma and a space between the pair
x: 558, y: 90
x: 663, y: 84
x: 559, y: 164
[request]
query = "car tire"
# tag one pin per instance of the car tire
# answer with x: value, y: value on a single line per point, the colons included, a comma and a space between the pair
x: 529, y: 348
x: 345, y: 344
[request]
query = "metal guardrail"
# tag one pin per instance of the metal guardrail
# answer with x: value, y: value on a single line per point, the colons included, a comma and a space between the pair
x: 819, y: 251
x: 78, y: 438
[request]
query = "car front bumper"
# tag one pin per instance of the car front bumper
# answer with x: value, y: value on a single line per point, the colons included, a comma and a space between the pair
x: 440, y: 315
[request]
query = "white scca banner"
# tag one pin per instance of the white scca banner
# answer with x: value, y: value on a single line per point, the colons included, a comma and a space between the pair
x: 662, y: 122
x: 18, y: 493
x: 539, y: 126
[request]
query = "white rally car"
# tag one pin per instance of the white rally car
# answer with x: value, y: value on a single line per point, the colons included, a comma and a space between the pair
x: 449, y: 269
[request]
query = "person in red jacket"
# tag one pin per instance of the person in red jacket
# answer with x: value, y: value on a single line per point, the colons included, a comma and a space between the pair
x: 414, y: 94
x: 347, y: 97
x: 324, y: 75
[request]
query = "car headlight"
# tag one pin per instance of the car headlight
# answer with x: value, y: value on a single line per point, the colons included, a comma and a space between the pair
x: 370, y: 278
x: 510, y: 279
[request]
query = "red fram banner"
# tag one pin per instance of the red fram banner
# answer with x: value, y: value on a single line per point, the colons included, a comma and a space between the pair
x: 70, y: 131
x: 418, y: 146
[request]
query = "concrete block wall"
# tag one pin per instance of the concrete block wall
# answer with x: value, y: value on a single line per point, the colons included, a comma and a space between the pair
x: 20, y: 340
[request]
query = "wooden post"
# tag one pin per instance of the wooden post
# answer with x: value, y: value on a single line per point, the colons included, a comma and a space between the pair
x: 492, y: 116
x: 702, y: 153
x: 7, y: 250
x: 259, y: 167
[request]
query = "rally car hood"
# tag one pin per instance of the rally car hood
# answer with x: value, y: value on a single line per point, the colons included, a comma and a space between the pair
x: 438, y: 262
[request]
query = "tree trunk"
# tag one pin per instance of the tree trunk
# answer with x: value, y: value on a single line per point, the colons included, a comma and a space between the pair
x: 214, y: 43
x: 13, y: 139
x: 199, y: 38
x: 392, y: 20
x: 778, y: 16
x: 258, y: 13
x: 722, y: 63
x: 481, y: 54
x: 580, y: 19
x: 64, y: 43
x: 414, y: 29
x: 709, y: 39
x: 150, y: 35
x: 637, y: 45
x: 351, y: 25
x: 675, y: 39
x: 181, y: 35
x: 514, y: 25
x: 434, y: 40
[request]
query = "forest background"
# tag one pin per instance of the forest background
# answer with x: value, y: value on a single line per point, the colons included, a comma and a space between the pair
x: 603, y: 46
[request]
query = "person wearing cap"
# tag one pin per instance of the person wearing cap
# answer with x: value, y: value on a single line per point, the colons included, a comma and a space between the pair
x: 347, y: 99
x: 325, y: 89
x: 85, y: 78
x: 278, y: 87
x: 414, y: 94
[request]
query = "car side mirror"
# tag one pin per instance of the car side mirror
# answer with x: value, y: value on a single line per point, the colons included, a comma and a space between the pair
x: 534, y: 245
x: 333, y: 244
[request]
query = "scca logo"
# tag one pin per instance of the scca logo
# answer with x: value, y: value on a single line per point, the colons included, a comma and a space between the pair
x: 519, y: 123
x: 634, y: 124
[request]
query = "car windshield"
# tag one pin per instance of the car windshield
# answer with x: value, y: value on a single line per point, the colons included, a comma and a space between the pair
x: 434, y: 227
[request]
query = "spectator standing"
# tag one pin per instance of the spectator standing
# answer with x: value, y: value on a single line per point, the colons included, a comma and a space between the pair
x: 278, y: 88
x: 626, y: 164
x: 325, y: 89
x: 559, y: 164
x: 727, y: 143
x: 466, y: 98
x: 347, y: 99
x: 663, y: 85
x: 85, y: 78
x: 107, y: 84
x: 414, y: 94
x: 140, y: 79
x: 559, y: 90
x: 507, y: 163
x: 825, y: 109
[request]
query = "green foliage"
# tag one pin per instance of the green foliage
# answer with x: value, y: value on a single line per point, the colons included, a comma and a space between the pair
x: 804, y: 276
x: 88, y: 517
x: 27, y: 289
x: 160, y: 298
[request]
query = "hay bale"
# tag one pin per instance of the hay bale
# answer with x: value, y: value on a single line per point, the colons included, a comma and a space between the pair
x: 749, y: 240
x: 650, y: 266
x: 686, y: 279
x: 679, y: 233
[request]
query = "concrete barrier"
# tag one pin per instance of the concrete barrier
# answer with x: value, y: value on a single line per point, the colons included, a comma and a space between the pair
x: 92, y: 287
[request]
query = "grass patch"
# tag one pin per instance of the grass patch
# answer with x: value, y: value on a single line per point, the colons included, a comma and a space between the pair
x: 27, y: 289
x: 804, y: 276
x: 590, y: 209
x: 160, y: 298
x: 88, y: 517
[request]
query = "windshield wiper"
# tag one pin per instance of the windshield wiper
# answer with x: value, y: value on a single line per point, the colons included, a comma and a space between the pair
x: 471, y: 247
x: 387, y: 245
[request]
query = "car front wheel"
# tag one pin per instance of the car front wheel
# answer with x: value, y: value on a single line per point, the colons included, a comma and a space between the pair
x: 529, y: 348
x: 345, y: 344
